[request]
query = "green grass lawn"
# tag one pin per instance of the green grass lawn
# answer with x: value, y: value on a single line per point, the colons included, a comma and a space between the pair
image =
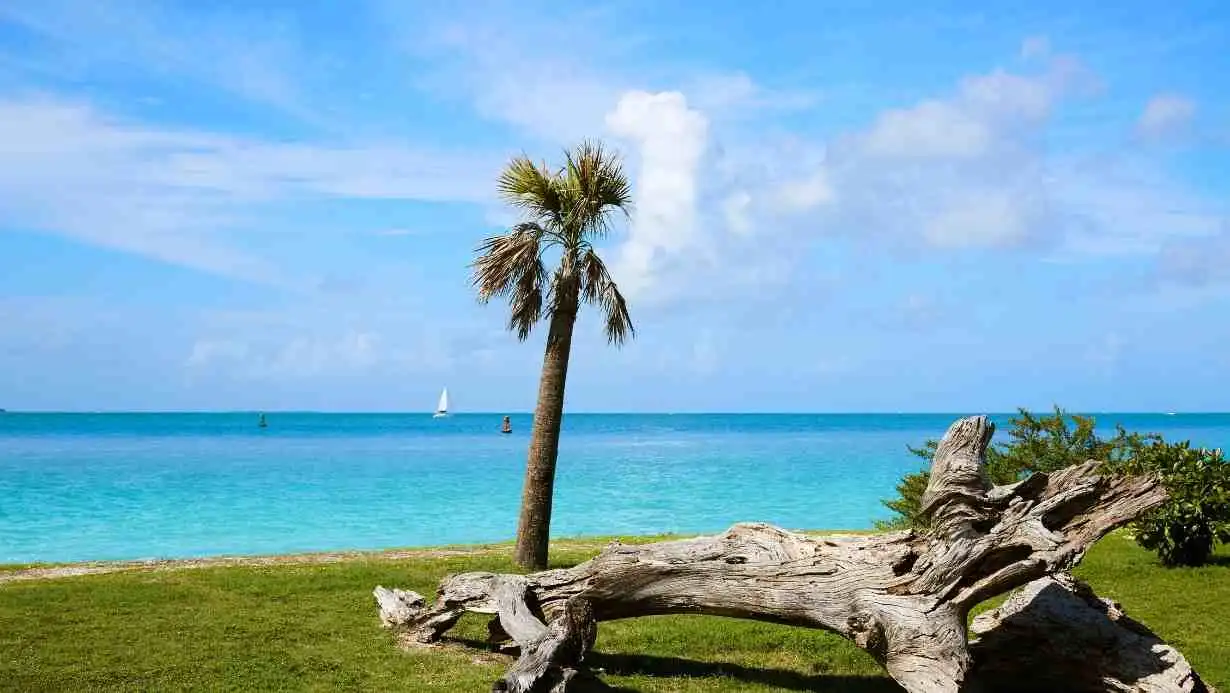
x: 314, y: 627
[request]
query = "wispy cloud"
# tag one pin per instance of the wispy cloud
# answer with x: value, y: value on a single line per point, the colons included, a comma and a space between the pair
x: 247, y: 53
x: 1165, y: 115
x: 555, y: 73
x: 176, y: 195
x: 1200, y: 262
x: 341, y: 338
x: 352, y: 352
x: 519, y: 66
x: 735, y: 95
x: 972, y: 169
x: 956, y: 171
x: 1034, y: 47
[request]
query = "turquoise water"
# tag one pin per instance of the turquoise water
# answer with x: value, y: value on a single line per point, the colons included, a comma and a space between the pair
x: 127, y: 486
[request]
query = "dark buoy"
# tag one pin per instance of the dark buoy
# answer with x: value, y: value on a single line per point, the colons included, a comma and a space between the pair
x: 507, y: 428
x: 261, y: 422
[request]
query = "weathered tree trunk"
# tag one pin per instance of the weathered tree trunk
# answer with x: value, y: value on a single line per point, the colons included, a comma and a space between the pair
x: 1088, y: 645
x: 534, y: 525
x: 902, y: 597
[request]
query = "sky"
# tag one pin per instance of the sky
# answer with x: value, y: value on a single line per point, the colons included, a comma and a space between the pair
x: 840, y: 206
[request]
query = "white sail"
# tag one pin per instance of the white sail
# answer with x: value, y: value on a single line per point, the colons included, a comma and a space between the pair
x: 442, y: 407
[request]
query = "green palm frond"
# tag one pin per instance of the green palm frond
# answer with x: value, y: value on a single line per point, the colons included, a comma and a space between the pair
x: 533, y: 189
x: 597, y: 186
x: 565, y: 208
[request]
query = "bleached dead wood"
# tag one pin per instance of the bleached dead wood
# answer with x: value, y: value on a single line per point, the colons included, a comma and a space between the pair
x: 1086, y: 645
x: 903, y: 597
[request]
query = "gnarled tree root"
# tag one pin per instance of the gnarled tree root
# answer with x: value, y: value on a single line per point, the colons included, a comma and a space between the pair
x: 903, y: 597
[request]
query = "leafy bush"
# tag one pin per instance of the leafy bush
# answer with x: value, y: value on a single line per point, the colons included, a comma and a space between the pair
x: 1197, y: 514
x: 1182, y: 531
x: 906, y: 506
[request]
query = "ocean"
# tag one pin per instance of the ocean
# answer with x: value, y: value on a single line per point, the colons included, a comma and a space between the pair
x: 77, y: 487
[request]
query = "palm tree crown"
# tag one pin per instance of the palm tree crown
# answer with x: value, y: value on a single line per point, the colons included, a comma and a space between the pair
x: 564, y: 210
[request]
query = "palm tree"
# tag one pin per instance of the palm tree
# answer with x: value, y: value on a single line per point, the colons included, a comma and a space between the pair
x: 564, y: 211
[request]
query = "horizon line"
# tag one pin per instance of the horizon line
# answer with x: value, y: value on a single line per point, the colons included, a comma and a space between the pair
x: 494, y: 412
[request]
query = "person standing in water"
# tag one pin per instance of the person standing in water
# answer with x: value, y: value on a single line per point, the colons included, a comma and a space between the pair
x: 507, y: 428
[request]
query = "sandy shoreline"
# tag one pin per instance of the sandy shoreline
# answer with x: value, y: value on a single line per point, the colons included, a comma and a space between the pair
x: 103, y: 567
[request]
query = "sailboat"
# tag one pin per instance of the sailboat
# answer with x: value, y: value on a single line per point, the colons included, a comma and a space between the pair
x: 442, y: 407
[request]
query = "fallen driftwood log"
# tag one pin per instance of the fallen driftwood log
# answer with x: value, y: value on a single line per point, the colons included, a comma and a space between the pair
x: 903, y: 597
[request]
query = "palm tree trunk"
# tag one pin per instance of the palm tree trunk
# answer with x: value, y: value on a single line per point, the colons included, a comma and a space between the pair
x: 534, y: 527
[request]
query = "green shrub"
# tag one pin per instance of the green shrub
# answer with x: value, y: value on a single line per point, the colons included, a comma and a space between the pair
x: 906, y: 505
x: 1182, y: 531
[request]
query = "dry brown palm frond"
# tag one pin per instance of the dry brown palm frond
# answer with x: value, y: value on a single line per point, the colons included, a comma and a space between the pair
x: 598, y: 288
x: 525, y: 303
x: 505, y: 259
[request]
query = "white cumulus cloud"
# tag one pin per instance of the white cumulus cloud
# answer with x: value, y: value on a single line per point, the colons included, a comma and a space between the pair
x: 670, y: 140
x: 954, y: 171
x: 932, y: 129
x: 807, y: 193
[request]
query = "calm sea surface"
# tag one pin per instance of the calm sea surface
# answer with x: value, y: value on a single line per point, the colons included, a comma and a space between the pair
x: 123, y: 486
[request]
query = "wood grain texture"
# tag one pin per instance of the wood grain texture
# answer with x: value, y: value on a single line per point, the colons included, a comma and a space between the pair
x: 1088, y: 645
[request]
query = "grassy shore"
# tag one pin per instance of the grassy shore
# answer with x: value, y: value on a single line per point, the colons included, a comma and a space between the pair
x: 310, y: 624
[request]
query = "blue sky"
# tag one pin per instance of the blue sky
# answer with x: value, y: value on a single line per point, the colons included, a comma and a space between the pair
x: 841, y: 206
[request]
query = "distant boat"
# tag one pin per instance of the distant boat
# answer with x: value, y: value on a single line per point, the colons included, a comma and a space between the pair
x: 442, y: 406
x: 507, y: 427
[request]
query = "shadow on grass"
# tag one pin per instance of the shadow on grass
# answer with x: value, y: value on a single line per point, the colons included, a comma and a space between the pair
x: 667, y: 667
x: 1220, y: 560
x: 650, y: 665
